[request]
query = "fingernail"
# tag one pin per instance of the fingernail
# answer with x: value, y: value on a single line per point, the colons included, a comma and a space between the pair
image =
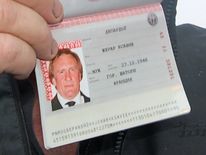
x: 54, y: 48
x: 57, y: 9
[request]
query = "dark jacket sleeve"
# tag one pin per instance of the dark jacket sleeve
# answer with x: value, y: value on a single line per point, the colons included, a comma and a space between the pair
x: 13, y: 133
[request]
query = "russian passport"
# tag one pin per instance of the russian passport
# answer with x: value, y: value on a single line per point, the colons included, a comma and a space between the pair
x: 128, y: 69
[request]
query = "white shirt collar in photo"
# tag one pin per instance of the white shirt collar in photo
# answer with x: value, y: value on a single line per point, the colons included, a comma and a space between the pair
x: 78, y: 100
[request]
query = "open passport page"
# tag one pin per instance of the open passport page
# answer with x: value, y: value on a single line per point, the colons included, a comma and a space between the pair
x: 115, y: 70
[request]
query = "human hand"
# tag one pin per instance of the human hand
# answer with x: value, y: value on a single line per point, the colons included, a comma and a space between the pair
x: 24, y: 34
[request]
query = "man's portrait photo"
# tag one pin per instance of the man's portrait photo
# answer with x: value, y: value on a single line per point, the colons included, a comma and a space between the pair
x: 66, y: 73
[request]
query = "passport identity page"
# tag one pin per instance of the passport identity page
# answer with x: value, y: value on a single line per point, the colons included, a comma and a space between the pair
x: 129, y: 75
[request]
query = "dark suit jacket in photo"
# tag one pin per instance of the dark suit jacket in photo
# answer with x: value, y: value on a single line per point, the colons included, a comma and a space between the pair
x: 56, y: 104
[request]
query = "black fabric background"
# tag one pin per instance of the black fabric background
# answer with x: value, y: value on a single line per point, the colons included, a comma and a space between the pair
x: 13, y: 135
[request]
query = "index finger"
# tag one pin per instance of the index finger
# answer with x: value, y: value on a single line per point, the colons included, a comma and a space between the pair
x: 24, y: 23
x: 50, y: 10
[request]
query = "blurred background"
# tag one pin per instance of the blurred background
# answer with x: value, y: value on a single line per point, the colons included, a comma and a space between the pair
x: 191, y: 11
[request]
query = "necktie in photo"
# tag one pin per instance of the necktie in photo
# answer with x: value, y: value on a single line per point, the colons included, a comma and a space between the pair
x: 71, y: 103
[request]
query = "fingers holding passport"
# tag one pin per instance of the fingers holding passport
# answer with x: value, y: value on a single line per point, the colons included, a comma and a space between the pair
x: 25, y: 35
